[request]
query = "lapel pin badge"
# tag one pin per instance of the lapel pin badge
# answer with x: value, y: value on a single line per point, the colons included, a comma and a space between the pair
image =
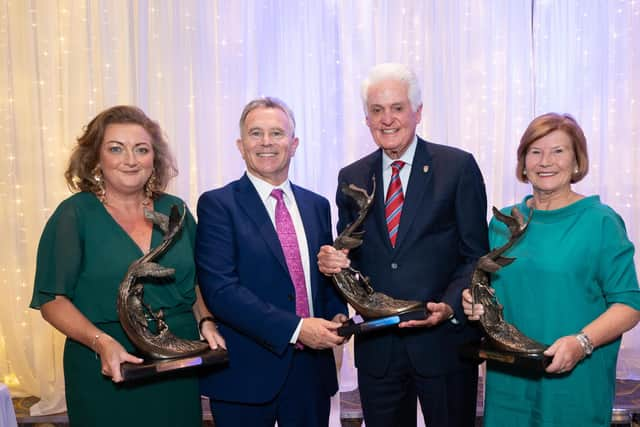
x: 425, y: 168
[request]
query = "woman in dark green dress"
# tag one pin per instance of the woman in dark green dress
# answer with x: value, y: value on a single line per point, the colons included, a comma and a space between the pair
x: 120, y: 165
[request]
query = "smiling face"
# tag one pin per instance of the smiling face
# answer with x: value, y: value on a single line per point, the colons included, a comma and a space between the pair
x: 267, y: 144
x: 126, y: 158
x: 390, y: 118
x: 550, y: 163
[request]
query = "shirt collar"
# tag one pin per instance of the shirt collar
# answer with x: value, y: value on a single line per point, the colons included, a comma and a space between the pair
x: 264, y: 188
x: 406, y: 157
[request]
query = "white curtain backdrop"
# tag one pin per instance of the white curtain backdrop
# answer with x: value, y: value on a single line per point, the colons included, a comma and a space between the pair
x: 486, y: 67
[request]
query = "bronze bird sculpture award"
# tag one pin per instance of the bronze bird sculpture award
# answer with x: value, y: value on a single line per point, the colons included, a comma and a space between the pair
x: 162, y: 350
x: 503, y: 342
x: 375, y: 310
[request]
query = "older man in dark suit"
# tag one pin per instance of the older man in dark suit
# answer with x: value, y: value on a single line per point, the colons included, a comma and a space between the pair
x: 255, y: 240
x: 425, y: 231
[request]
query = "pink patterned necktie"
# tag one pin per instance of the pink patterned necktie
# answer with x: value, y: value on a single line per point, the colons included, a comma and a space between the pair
x: 289, y: 242
x: 394, y: 201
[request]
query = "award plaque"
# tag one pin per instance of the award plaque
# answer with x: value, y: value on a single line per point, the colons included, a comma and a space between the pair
x: 375, y: 309
x: 503, y: 342
x: 162, y: 350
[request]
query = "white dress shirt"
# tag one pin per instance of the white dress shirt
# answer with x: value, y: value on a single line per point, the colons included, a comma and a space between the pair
x: 405, y: 172
x: 264, y: 191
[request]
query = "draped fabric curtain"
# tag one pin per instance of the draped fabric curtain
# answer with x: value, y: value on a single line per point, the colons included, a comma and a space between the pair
x: 486, y: 67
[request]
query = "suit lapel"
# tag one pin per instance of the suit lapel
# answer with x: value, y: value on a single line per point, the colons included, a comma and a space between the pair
x: 378, y: 207
x: 418, y: 179
x: 307, y: 209
x: 250, y: 202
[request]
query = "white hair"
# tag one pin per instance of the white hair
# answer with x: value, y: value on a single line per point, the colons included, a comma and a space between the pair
x: 393, y: 71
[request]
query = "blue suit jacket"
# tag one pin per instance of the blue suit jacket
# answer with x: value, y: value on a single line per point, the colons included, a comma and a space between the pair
x: 443, y: 231
x: 246, y: 284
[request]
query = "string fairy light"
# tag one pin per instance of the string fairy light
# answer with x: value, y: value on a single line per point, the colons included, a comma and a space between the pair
x: 485, y: 109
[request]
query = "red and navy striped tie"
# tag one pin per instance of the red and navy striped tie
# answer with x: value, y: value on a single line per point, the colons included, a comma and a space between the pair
x: 394, y: 201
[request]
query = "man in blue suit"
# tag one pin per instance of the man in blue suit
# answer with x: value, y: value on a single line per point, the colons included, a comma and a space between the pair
x: 423, y: 235
x: 254, y: 243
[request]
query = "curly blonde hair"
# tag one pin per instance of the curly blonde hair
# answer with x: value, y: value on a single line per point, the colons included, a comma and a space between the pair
x: 86, y: 154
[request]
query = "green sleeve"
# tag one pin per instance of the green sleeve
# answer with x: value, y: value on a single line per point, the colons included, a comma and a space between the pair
x: 616, y: 269
x: 59, y: 256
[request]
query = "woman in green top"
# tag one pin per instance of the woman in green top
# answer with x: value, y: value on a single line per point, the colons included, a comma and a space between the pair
x: 120, y: 165
x: 573, y: 285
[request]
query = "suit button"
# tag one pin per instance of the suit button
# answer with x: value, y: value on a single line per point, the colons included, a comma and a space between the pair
x: 291, y: 297
x: 394, y: 266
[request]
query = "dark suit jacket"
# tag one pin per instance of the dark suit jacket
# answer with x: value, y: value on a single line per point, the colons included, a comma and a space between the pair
x: 246, y: 284
x: 443, y: 230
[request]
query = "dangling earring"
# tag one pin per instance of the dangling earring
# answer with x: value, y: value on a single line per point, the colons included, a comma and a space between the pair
x: 524, y: 172
x: 576, y: 170
x: 99, y: 190
x: 150, y: 185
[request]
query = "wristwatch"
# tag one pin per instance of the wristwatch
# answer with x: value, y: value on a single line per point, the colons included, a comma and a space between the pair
x: 585, y: 343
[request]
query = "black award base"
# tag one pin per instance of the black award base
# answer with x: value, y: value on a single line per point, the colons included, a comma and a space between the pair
x: 154, y: 367
x: 357, y: 325
x: 528, y: 363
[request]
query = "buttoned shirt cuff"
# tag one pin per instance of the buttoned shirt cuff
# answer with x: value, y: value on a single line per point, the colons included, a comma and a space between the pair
x: 294, y: 337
